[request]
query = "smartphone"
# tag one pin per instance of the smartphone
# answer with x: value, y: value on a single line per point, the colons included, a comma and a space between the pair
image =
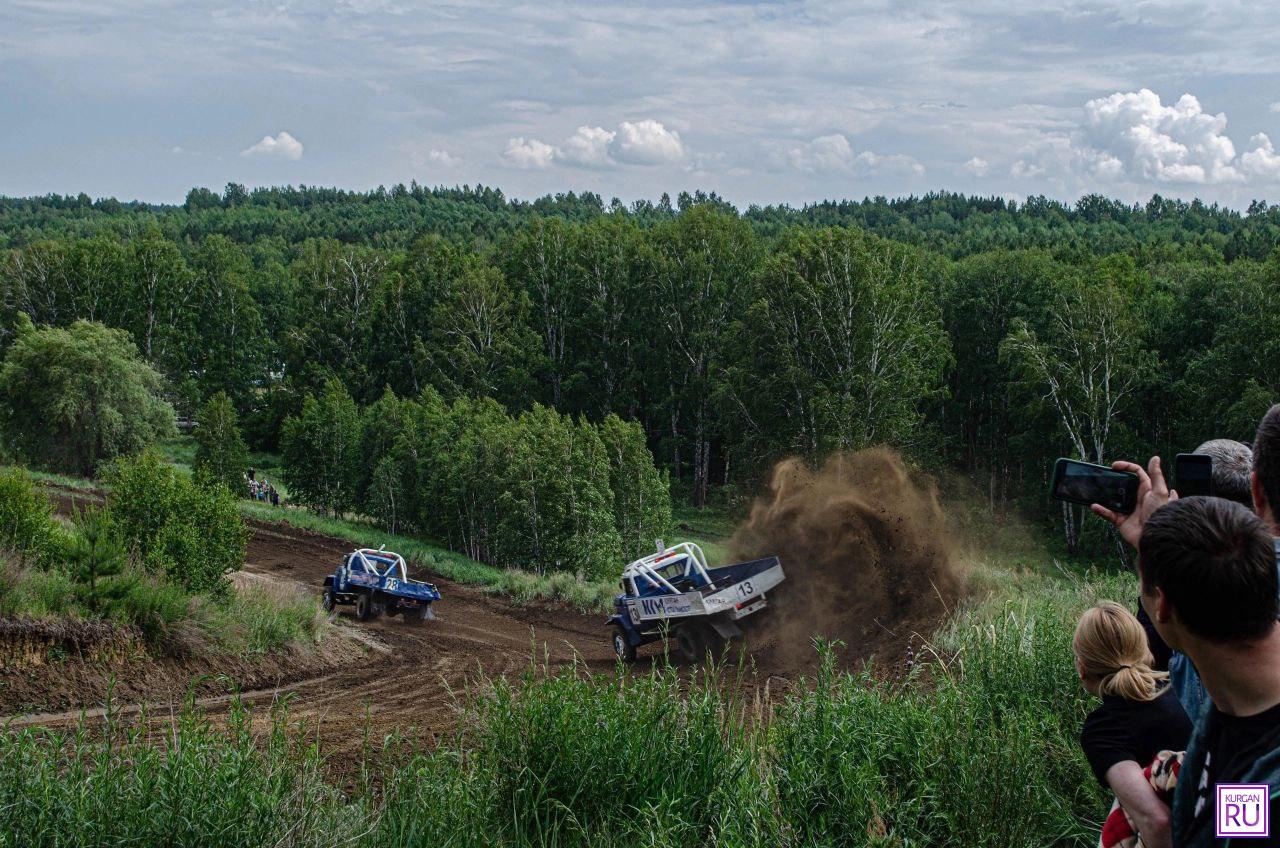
x: 1086, y: 483
x: 1193, y: 474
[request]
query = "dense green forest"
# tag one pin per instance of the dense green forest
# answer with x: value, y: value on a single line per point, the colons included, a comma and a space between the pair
x: 974, y: 333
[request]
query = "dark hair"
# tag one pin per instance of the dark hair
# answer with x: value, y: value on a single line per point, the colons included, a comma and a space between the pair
x: 1266, y: 456
x: 1232, y: 462
x: 1215, y: 562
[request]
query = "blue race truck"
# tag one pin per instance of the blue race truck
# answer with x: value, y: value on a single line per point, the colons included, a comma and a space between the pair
x: 672, y: 594
x: 378, y: 583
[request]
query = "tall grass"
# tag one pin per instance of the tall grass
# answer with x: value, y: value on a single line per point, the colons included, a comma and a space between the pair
x: 200, y: 785
x: 976, y: 747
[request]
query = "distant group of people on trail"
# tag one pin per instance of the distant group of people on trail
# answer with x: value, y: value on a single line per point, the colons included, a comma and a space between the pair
x: 262, y: 490
x: 1188, y: 733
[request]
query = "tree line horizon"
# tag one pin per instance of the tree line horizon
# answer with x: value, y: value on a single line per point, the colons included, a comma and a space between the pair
x: 971, y: 333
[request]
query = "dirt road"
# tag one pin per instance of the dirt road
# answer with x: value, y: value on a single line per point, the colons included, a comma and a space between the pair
x: 389, y: 675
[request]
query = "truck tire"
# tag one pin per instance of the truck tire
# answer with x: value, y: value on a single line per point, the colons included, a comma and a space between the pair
x: 691, y: 644
x: 622, y: 647
x: 364, y: 606
x: 328, y: 601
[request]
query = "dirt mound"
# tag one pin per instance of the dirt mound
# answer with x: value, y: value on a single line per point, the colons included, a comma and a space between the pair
x: 868, y: 557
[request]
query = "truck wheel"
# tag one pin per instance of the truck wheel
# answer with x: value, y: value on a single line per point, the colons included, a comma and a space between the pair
x: 364, y: 606
x: 328, y: 601
x: 622, y: 647
x: 691, y: 644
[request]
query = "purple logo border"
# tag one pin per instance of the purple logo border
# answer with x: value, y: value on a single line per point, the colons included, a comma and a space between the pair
x: 1266, y: 811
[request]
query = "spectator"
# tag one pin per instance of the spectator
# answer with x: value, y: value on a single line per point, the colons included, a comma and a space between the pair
x: 1265, y: 481
x: 1153, y: 493
x: 275, y: 497
x: 1232, y: 467
x: 1139, y: 717
x: 1207, y: 571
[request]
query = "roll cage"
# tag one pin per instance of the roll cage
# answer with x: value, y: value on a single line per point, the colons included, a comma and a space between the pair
x: 660, y: 573
x: 369, y: 560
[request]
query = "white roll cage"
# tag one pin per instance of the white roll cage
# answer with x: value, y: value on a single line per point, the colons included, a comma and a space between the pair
x: 648, y: 568
x: 371, y: 567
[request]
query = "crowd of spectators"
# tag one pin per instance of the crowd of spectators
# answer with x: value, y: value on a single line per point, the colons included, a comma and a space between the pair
x: 1190, y: 684
x: 261, y: 490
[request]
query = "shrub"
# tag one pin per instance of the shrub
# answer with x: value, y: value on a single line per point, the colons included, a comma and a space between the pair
x: 95, y: 559
x: 174, y: 527
x: 221, y: 455
x: 27, y: 526
x: 265, y: 617
x: 73, y: 397
x: 153, y: 605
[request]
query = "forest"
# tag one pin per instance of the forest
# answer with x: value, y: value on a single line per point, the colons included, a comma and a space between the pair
x: 976, y: 334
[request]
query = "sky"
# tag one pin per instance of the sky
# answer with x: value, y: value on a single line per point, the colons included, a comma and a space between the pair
x: 779, y: 101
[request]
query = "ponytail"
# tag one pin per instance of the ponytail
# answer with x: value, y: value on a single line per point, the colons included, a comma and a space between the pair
x: 1112, y: 648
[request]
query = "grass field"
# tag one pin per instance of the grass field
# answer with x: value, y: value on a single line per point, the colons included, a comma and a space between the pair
x: 976, y: 747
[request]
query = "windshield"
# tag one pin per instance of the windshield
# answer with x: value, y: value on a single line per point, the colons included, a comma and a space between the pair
x: 673, y: 570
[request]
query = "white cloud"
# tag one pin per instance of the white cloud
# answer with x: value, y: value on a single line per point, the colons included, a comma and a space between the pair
x: 1024, y: 170
x: 1275, y: 107
x: 824, y: 153
x: 978, y: 166
x: 647, y: 142
x: 1135, y: 134
x: 282, y: 145
x: 588, y: 146
x: 443, y: 158
x: 530, y: 153
x: 834, y: 153
x: 1262, y: 161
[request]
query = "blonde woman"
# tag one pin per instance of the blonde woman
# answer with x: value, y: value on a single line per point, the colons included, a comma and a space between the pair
x: 1139, y: 717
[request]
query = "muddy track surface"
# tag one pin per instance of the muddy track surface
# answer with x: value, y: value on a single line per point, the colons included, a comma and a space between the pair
x: 404, y: 678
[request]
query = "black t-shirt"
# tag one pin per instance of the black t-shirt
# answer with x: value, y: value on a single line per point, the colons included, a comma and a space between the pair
x: 1233, y: 745
x: 1122, y: 730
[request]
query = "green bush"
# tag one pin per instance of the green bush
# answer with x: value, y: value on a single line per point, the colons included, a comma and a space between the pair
x: 27, y: 526
x: 174, y: 527
x: 73, y: 397
x: 153, y: 605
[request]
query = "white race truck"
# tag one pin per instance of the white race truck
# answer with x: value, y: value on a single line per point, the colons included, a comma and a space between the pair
x: 673, y: 594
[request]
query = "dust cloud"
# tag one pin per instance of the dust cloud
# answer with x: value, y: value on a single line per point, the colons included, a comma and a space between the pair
x: 868, y: 557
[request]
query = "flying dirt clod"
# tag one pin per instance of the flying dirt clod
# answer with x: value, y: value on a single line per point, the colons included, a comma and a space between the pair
x: 868, y: 557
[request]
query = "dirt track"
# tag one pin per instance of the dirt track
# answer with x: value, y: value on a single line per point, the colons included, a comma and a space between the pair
x: 415, y: 683
x: 406, y: 678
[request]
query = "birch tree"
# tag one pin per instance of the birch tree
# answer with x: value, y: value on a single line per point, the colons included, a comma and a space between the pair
x: 1084, y: 369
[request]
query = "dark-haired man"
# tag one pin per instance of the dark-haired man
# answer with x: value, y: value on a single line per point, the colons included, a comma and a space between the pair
x: 1208, y: 578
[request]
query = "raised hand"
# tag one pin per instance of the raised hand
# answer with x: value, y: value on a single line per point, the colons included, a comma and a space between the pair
x: 1153, y: 493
